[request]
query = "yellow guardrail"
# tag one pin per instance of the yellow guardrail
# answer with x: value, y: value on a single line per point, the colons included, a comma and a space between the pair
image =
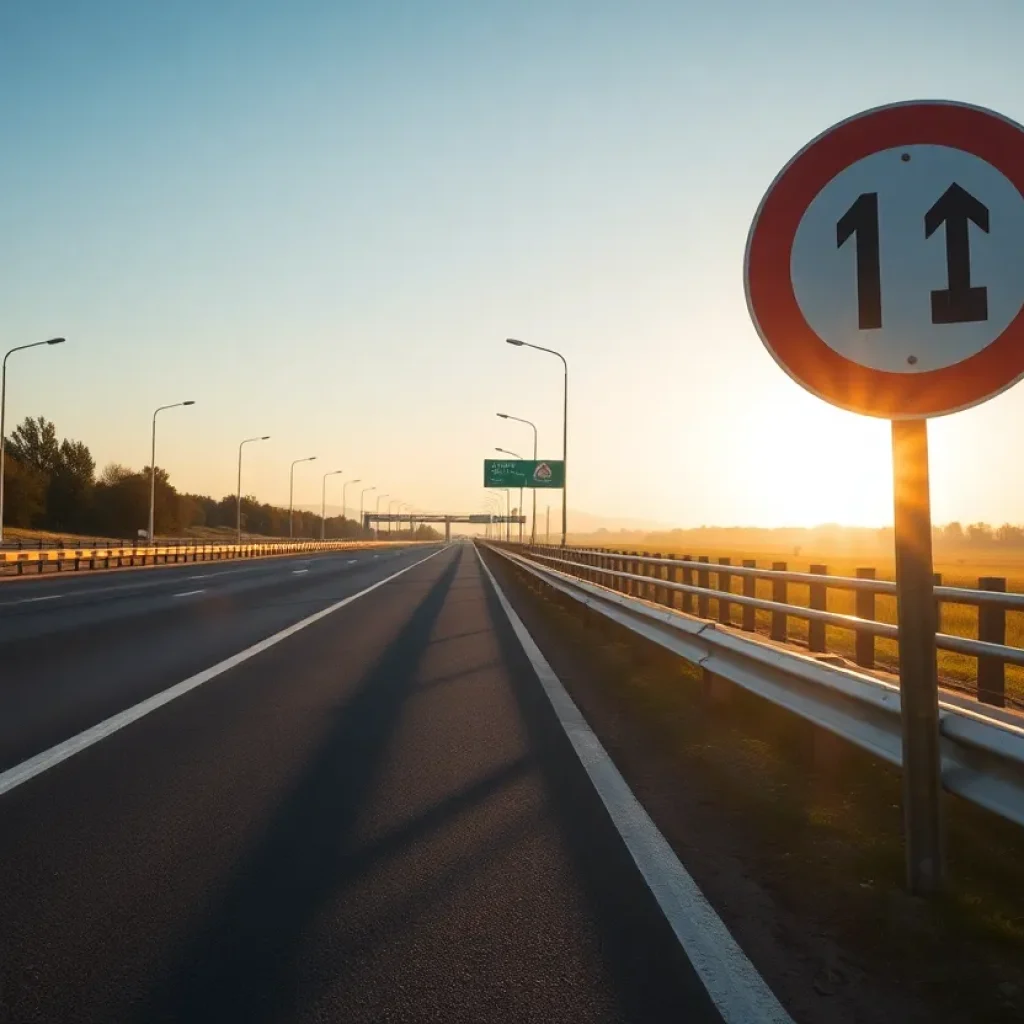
x: 119, y: 556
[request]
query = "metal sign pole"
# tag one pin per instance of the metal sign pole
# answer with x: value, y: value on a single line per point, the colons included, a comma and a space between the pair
x: 919, y: 690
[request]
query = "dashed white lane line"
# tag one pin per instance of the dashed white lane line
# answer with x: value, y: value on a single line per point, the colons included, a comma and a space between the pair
x: 299, y: 572
x: 739, y: 993
x: 352, y: 561
x: 190, y: 593
x: 31, y: 600
x: 34, y: 766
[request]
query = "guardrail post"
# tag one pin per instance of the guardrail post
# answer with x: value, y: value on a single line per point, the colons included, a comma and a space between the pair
x: 749, y: 590
x: 655, y: 570
x: 703, y: 582
x: 725, y: 586
x: 673, y: 573
x: 992, y: 628
x: 818, y: 601
x: 688, y: 581
x: 937, y: 582
x: 865, y: 609
x: 632, y: 587
x: 780, y: 595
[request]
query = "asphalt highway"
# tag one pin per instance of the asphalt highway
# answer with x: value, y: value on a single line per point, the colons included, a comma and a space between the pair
x: 376, y: 817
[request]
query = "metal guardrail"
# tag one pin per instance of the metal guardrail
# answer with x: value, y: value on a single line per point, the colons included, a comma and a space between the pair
x: 662, y: 579
x: 982, y: 757
x: 18, y: 560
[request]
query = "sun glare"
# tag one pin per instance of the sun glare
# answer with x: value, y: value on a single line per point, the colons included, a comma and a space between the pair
x: 839, y: 470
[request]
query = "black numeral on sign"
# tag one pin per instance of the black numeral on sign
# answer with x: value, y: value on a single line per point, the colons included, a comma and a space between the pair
x: 956, y: 304
x: 861, y: 220
x: 959, y: 303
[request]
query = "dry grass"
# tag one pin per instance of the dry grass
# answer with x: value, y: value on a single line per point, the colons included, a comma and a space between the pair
x: 222, y: 533
x: 956, y: 670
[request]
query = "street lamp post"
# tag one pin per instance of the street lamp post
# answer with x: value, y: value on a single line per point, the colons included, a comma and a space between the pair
x: 362, y: 494
x: 323, y: 502
x: 344, y: 488
x: 3, y: 410
x: 533, y: 490
x: 492, y: 506
x: 377, y: 512
x: 565, y: 428
x: 291, y: 493
x: 152, y: 466
x: 248, y: 440
x: 505, y: 451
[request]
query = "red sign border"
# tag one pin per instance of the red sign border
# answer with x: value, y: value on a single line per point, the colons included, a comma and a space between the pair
x: 772, y: 302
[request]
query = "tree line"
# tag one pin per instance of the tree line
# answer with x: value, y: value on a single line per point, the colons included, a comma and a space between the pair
x: 52, y: 484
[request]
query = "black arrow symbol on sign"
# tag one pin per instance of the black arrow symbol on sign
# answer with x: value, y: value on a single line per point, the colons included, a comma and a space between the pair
x: 959, y: 303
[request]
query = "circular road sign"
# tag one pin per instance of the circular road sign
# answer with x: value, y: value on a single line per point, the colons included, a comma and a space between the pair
x: 884, y: 269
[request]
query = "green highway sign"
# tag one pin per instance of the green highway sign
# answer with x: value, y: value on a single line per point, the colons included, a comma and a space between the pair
x: 524, y: 473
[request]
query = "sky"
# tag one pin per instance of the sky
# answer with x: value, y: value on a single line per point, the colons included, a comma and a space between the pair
x: 319, y: 220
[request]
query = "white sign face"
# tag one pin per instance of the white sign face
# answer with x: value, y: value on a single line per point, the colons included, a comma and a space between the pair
x: 911, y: 259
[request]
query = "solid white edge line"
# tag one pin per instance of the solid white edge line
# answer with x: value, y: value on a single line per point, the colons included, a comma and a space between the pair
x: 34, y: 766
x: 739, y: 993
x: 190, y: 593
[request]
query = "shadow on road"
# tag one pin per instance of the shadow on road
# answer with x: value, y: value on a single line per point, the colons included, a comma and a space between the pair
x: 239, y: 964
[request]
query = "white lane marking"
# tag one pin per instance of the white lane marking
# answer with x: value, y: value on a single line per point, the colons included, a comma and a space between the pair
x: 128, y: 587
x: 299, y: 572
x: 190, y: 593
x: 62, y: 751
x: 31, y: 600
x: 739, y: 993
x: 352, y: 561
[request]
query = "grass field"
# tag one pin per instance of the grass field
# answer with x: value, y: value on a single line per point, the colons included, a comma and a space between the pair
x: 958, y: 569
x: 222, y: 533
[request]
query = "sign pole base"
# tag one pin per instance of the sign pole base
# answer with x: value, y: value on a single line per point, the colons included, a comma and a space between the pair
x: 919, y: 688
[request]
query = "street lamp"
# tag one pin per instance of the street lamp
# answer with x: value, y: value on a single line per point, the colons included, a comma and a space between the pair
x: 377, y: 511
x: 394, y: 501
x: 565, y: 428
x: 533, y: 519
x: 323, y: 502
x: 492, y: 506
x: 291, y: 492
x: 344, y: 488
x: 152, y: 465
x: 362, y: 494
x: 248, y: 440
x: 3, y: 409
x: 515, y: 455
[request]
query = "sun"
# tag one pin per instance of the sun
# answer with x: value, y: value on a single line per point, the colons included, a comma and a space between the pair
x: 837, y: 469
